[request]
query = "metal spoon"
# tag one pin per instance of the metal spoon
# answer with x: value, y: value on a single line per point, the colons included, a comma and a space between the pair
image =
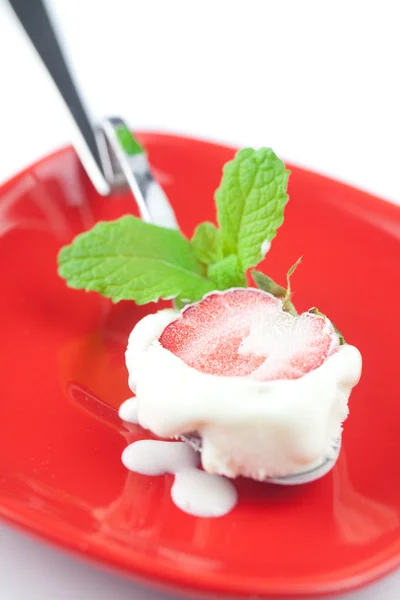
x: 321, y: 469
x: 105, y: 150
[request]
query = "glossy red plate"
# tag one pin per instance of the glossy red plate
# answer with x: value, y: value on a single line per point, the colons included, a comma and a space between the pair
x: 63, y: 376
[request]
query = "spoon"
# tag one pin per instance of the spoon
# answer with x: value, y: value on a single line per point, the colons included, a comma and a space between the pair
x: 318, y: 471
x: 111, y: 156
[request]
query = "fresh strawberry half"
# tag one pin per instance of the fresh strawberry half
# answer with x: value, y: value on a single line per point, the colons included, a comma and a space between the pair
x: 245, y: 333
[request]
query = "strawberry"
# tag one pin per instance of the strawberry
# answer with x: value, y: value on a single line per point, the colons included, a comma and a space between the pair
x: 244, y: 332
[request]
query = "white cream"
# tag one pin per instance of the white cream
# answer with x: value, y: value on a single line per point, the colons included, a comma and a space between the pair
x: 251, y: 428
x: 128, y: 411
x: 202, y: 494
x: 155, y: 457
x: 193, y: 491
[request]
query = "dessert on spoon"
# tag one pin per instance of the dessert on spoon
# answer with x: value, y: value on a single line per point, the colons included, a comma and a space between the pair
x: 233, y: 369
x: 258, y: 389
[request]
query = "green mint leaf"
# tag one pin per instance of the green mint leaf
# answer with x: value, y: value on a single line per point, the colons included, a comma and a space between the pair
x: 315, y: 311
x: 250, y: 203
x: 227, y: 273
x: 265, y: 283
x: 206, y: 242
x: 128, y: 259
x: 128, y: 142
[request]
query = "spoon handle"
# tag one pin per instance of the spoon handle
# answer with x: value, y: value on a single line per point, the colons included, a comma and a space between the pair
x: 112, y: 157
x: 35, y: 20
x: 129, y: 164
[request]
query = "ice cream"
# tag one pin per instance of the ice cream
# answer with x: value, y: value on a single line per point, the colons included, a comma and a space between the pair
x: 251, y: 427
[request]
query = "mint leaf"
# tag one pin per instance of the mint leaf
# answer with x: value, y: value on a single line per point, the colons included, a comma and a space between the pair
x: 128, y: 259
x: 250, y: 203
x: 315, y: 311
x: 206, y: 243
x: 227, y: 273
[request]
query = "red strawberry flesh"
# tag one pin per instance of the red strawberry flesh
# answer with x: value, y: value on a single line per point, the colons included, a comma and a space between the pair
x: 245, y: 333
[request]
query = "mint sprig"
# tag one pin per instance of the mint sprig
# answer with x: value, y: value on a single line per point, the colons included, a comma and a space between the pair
x: 128, y: 259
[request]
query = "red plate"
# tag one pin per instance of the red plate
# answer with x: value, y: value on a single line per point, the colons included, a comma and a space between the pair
x: 63, y: 375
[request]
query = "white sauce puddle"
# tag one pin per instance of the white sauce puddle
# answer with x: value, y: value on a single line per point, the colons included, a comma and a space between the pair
x: 128, y: 411
x: 153, y: 457
x: 202, y: 494
x: 193, y: 491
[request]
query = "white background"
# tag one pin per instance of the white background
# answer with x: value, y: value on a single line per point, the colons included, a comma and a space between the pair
x: 317, y: 81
